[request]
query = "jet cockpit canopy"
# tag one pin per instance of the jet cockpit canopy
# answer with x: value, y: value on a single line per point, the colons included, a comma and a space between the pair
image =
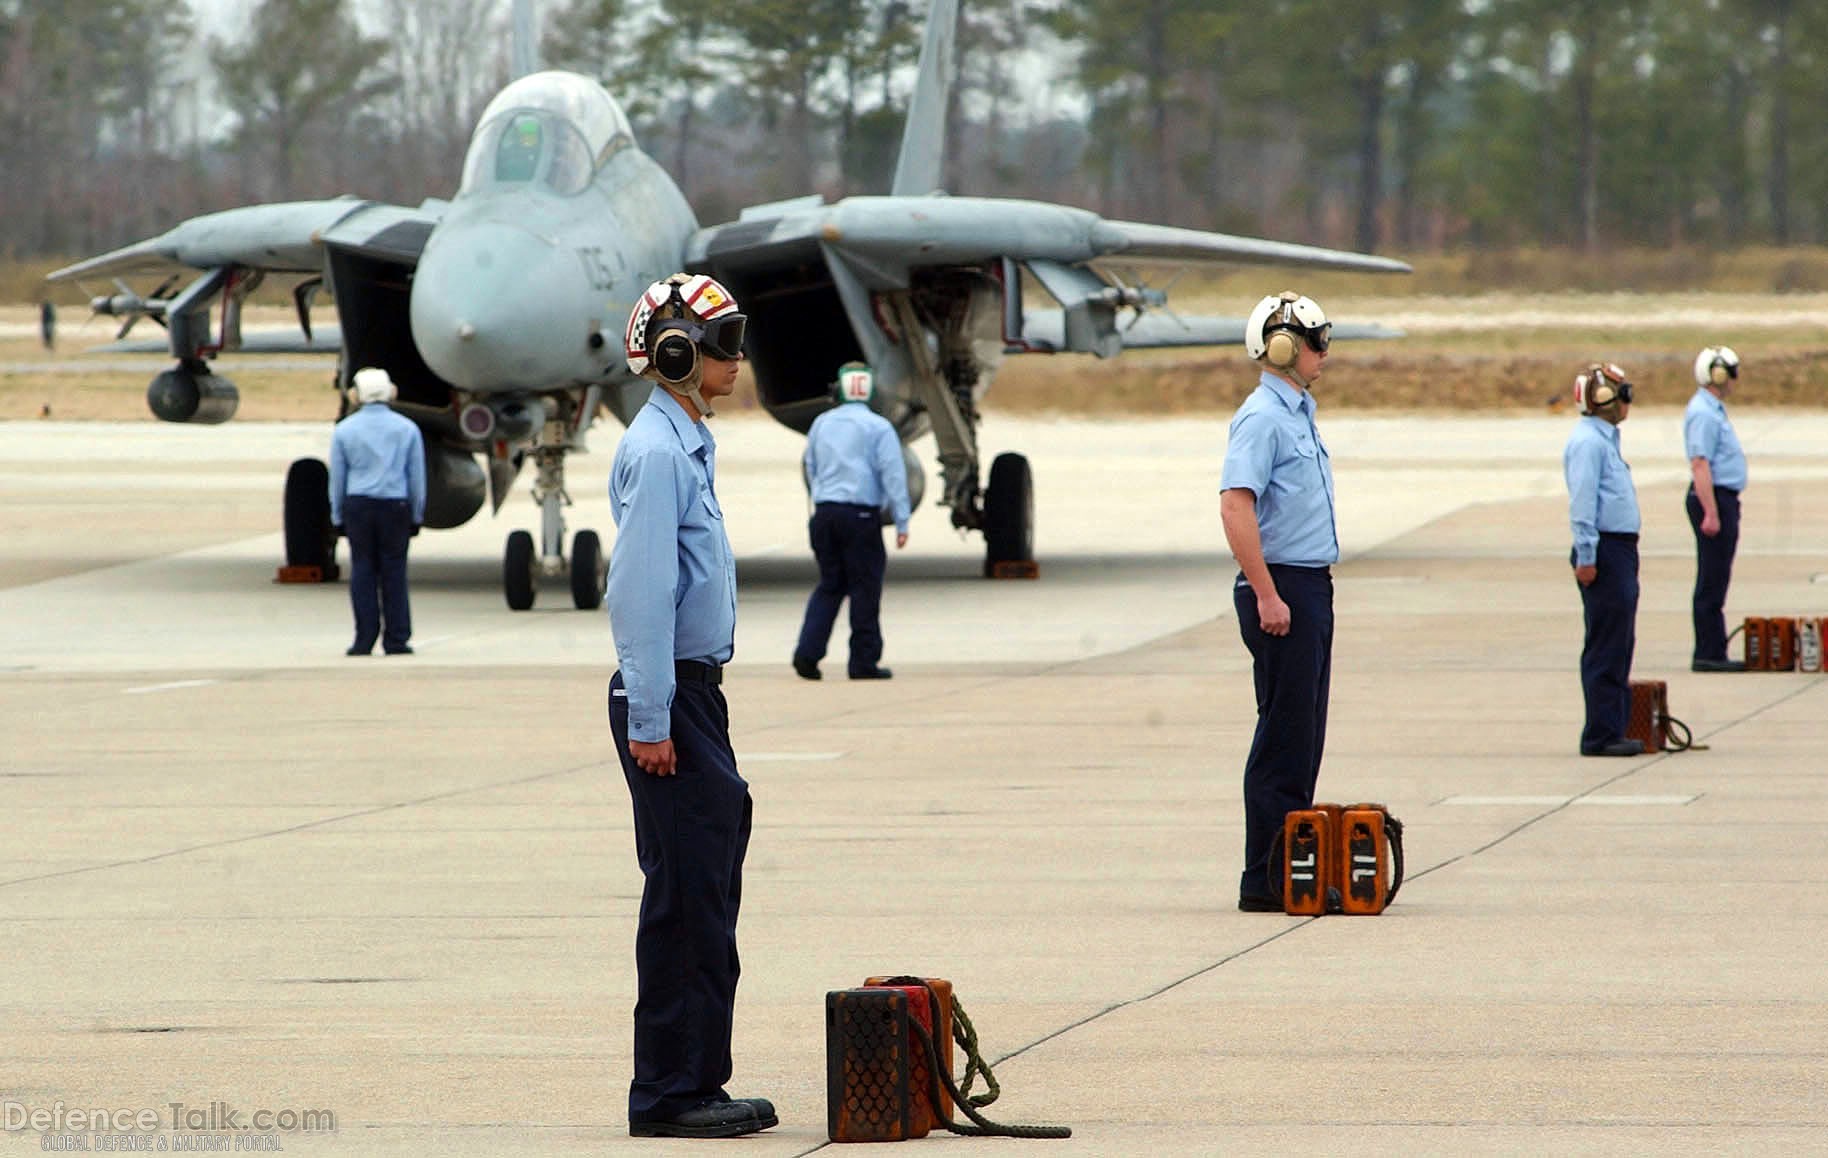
x: 551, y: 129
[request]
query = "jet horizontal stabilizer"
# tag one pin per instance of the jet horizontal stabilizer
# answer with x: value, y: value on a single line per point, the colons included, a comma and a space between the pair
x: 1168, y: 245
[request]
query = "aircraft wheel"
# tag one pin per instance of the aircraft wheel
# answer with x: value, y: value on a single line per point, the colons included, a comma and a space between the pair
x: 310, y: 542
x: 519, y: 571
x: 589, y: 571
x: 1009, y: 511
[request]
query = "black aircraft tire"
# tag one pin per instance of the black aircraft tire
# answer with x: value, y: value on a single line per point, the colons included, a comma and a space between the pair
x: 588, y: 572
x: 519, y: 581
x: 310, y: 542
x: 1009, y: 511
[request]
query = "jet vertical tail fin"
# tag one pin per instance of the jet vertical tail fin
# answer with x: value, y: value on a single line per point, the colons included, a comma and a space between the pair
x: 918, y: 170
x: 524, y: 48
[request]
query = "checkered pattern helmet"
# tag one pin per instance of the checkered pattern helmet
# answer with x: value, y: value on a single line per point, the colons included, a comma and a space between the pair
x: 698, y: 296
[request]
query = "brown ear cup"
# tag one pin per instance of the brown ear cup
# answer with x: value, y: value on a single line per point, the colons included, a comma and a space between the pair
x: 1717, y: 374
x: 1281, y: 349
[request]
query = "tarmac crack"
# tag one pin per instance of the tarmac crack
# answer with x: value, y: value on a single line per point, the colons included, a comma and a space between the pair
x: 305, y: 826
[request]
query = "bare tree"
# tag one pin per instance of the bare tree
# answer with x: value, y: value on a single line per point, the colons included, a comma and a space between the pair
x: 305, y: 62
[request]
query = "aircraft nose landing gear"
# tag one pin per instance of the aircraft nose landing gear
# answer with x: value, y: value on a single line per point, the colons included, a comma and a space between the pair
x: 587, y: 566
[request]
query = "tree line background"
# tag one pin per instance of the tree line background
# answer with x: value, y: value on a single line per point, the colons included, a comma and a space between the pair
x: 1406, y: 126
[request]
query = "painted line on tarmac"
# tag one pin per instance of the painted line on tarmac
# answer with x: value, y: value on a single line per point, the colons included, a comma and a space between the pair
x: 175, y: 685
x: 1539, y: 801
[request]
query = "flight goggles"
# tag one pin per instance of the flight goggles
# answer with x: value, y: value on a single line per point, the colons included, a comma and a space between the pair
x: 1318, y: 338
x: 1615, y: 377
x: 721, y: 337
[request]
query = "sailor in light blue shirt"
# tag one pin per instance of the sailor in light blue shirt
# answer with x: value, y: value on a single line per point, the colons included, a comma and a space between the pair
x: 377, y: 497
x: 1603, y: 512
x: 853, y: 455
x: 1717, y: 464
x: 672, y: 609
x: 854, y: 470
x: 672, y: 575
x: 377, y: 453
x: 1708, y: 434
x: 1601, y: 496
x: 1276, y: 505
x: 1275, y: 451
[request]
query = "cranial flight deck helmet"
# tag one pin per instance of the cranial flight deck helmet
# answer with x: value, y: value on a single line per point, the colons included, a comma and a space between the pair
x: 1716, y: 366
x: 1278, y: 326
x: 676, y: 319
x: 1600, y: 386
x: 373, y: 384
x: 856, y: 382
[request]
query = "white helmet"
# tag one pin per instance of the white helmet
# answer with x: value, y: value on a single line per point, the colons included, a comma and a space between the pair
x: 1716, y: 366
x: 1288, y: 311
x: 373, y: 384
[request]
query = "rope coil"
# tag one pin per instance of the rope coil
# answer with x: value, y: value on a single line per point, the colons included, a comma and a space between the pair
x: 966, y: 1036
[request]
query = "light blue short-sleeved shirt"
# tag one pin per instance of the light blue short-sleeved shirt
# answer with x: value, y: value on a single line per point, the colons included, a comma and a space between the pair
x: 672, y: 575
x: 853, y: 455
x: 1708, y: 433
x: 1601, y: 496
x: 1275, y: 452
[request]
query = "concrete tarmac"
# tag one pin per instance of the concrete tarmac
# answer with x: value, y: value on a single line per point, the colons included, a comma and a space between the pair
x: 245, y: 873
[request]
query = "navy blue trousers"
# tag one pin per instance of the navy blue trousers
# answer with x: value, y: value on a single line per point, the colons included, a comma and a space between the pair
x: 1610, y: 604
x: 1293, y: 675
x: 1713, y: 571
x: 691, y: 834
x: 378, y: 531
x: 847, y: 542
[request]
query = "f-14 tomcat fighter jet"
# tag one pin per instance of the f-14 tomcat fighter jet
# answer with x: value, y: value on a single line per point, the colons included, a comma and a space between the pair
x: 497, y: 313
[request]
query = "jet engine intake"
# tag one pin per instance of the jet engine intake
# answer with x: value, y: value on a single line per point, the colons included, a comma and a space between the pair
x: 192, y: 394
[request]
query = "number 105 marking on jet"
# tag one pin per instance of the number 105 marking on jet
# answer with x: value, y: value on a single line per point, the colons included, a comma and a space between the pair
x: 499, y: 313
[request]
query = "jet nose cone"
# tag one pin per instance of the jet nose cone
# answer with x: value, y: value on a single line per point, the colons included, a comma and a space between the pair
x: 495, y: 307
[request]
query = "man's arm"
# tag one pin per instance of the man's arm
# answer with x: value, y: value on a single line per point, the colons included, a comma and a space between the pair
x: 892, y: 475
x: 1704, y: 493
x: 643, y: 577
x: 339, y: 472
x: 1238, y: 514
x: 809, y: 459
x: 415, y: 475
x: 1582, y: 468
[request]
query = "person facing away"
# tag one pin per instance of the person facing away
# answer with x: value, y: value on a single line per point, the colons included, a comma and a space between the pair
x: 854, y: 469
x: 672, y: 610
x: 1717, y: 468
x: 377, y: 500
x: 1276, y: 504
x: 1603, y: 512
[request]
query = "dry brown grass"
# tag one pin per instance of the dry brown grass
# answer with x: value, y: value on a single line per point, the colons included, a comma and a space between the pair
x: 1496, y: 349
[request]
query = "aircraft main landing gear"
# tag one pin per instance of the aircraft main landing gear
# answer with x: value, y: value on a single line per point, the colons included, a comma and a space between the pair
x: 1009, y: 518
x: 310, y: 539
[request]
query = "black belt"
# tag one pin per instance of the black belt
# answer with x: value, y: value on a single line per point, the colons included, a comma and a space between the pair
x: 1620, y: 536
x: 693, y: 672
x: 846, y: 507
